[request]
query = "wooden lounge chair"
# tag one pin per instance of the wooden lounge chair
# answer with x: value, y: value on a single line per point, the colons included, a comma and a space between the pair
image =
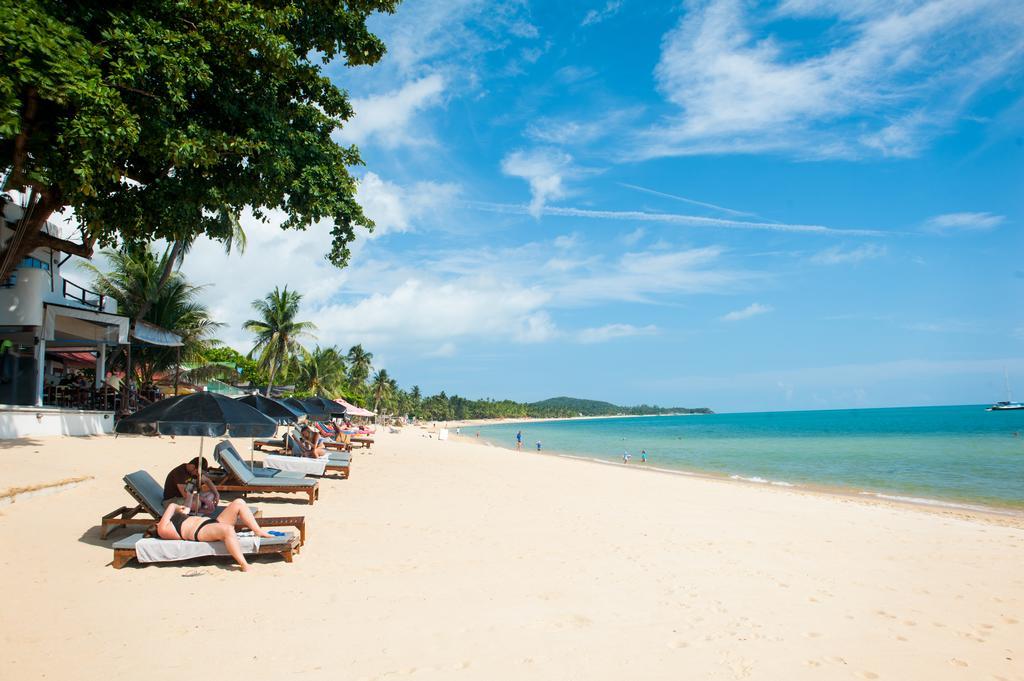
x: 242, y: 479
x: 145, y: 490
x: 365, y: 440
x: 127, y: 549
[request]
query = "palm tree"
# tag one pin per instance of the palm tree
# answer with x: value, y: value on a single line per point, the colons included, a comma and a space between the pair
x: 360, y: 364
x: 229, y: 230
x: 381, y: 388
x: 277, y: 331
x: 415, y: 398
x: 322, y: 372
x: 134, y: 279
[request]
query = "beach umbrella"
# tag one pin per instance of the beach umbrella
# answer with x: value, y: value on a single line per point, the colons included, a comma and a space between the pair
x: 199, y: 414
x: 304, y: 409
x: 276, y: 409
x: 324, y: 406
x: 281, y: 413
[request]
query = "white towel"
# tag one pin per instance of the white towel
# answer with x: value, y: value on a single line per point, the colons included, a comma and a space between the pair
x: 297, y: 464
x: 168, y: 550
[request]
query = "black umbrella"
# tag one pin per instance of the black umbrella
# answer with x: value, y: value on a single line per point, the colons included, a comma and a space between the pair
x: 325, y: 406
x: 276, y: 409
x: 309, y: 412
x: 282, y: 414
x: 203, y: 414
x: 199, y: 414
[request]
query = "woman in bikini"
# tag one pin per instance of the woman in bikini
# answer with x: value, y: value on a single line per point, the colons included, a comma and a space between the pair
x: 176, y: 523
x: 311, y: 442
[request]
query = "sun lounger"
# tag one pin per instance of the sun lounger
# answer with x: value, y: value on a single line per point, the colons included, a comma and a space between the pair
x: 241, y: 478
x: 152, y: 550
x: 339, y: 462
x: 149, y: 494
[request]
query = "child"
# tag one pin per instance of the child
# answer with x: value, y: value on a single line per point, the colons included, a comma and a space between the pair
x: 643, y: 456
x: 625, y: 457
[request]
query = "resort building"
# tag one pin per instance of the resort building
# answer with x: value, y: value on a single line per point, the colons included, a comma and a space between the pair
x: 50, y: 326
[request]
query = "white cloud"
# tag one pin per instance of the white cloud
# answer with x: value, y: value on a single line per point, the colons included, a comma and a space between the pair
x: 388, y: 119
x: 544, y: 169
x: 570, y: 131
x: 683, y: 199
x: 752, y: 310
x: 609, y: 332
x: 883, y: 78
x: 426, y: 311
x: 963, y: 222
x: 394, y: 208
x: 837, y: 256
x: 633, y: 237
x: 596, y: 16
x: 671, y: 218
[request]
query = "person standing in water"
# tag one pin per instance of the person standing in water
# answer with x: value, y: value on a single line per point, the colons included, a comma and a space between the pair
x: 625, y: 457
x: 519, y: 441
x: 538, y: 445
x: 643, y: 456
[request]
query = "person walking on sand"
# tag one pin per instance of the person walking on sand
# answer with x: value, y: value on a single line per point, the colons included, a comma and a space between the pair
x: 643, y: 456
x: 519, y: 441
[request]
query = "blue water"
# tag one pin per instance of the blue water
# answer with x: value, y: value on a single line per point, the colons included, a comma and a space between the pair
x: 954, y: 454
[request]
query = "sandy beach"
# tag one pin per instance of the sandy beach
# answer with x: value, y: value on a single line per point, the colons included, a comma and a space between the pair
x: 442, y: 560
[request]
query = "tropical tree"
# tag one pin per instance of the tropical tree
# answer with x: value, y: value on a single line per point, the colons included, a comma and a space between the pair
x: 147, y: 117
x: 415, y: 398
x: 277, y: 330
x: 381, y: 388
x: 133, y: 278
x: 360, y: 364
x: 322, y: 372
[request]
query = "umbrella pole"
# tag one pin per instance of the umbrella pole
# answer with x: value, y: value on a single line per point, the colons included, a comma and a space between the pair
x: 199, y: 479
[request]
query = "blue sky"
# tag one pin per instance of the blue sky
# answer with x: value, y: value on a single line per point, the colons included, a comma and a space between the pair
x: 746, y: 206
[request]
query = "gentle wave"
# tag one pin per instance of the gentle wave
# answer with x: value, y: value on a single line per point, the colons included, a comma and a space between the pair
x: 924, y: 501
x: 763, y: 481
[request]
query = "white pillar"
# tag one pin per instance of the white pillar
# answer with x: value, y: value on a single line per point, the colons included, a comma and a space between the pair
x: 101, y: 366
x: 40, y: 368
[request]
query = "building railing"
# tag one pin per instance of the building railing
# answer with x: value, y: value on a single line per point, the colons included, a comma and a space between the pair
x: 73, y: 291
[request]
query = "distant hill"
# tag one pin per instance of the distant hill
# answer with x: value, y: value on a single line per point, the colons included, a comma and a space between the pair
x: 574, y: 406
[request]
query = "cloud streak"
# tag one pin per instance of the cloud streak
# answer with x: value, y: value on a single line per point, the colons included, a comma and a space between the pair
x: 752, y: 310
x: 671, y: 218
x: 963, y: 222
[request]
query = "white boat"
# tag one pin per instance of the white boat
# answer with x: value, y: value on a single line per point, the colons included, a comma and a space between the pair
x: 1008, y: 404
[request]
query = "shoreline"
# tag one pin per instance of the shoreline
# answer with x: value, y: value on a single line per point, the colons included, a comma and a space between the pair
x: 1009, y: 516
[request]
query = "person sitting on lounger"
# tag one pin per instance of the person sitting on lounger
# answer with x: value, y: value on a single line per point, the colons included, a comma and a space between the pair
x: 176, y: 523
x: 311, y: 443
x: 181, y: 484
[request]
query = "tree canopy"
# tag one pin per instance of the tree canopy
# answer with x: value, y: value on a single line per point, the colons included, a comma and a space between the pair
x: 165, y: 118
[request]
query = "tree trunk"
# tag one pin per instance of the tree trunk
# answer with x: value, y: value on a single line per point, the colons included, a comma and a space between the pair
x: 28, y: 234
x: 270, y: 381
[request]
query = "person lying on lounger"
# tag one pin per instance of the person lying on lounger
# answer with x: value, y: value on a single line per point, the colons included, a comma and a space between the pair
x: 176, y: 523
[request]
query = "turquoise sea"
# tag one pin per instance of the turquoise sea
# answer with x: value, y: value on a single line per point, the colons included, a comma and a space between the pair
x: 953, y: 455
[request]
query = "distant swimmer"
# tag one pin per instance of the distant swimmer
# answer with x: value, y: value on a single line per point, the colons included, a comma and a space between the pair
x: 519, y: 441
x: 643, y: 456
